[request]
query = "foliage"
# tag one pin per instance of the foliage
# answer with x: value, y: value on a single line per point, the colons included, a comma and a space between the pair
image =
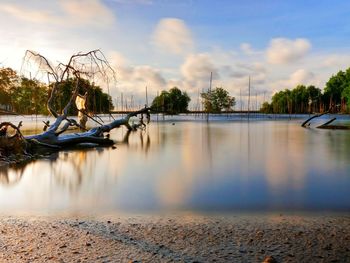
x: 266, y: 108
x: 8, y: 79
x: 217, y: 100
x: 29, y: 96
x: 335, y: 87
x: 98, y: 101
x: 346, y: 96
x: 301, y: 99
x: 173, y: 101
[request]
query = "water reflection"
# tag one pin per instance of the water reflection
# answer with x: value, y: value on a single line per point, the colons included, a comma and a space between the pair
x: 144, y: 140
x: 192, y: 165
x: 11, y: 178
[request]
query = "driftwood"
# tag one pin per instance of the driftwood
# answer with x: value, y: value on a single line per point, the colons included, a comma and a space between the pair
x: 333, y: 127
x: 306, y: 123
x: 54, y: 136
x: 325, y: 125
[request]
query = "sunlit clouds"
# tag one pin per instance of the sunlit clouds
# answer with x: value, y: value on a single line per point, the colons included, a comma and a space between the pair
x: 172, y: 35
x: 282, y: 50
x: 165, y: 44
x: 64, y: 13
x: 301, y: 76
x: 196, y: 71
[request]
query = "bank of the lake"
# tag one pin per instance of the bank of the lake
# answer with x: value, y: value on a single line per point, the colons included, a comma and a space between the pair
x: 176, y: 238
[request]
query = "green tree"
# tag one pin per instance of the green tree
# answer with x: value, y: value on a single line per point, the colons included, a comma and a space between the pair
x: 346, y: 90
x: 301, y: 99
x: 346, y: 96
x: 173, y: 101
x: 280, y: 101
x: 97, y: 100
x: 217, y: 100
x: 266, y: 108
x: 8, y: 79
x: 29, y: 97
x: 314, y: 98
x: 335, y: 88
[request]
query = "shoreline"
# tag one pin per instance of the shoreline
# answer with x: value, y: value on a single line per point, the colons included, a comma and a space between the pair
x: 175, y: 238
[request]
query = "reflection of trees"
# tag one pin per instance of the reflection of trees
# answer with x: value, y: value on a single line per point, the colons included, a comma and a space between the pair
x: 70, y: 168
x: 144, y: 140
x: 11, y: 176
x: 67, y: 169
x: 339, y: 143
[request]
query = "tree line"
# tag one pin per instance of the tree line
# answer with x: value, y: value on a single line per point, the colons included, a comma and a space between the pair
x: 335, y: 97
x: 176, y: 101
x: 29, y: 96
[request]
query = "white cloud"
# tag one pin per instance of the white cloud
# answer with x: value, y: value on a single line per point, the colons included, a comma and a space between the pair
x: 340, y: 61
x: 301, y: 76
x: 172, y: 35
x: 198, y: 67
x: 30, y: 15
x: 88, y: 12
x: 247, y: 49
x: 132, y: 80
x: 117, y: 59
x: 298, y: 77
x: 196, y: 72
x: 64, y: 12
x: 283, y: 50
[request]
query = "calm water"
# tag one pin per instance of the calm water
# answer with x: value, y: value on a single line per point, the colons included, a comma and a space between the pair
x: 190, y: 165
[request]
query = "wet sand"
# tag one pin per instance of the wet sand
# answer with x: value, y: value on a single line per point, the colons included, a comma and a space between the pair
x: 176, y: 238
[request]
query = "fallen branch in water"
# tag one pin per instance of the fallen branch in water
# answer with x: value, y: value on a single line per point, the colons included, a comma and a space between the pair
x: 54, y: 136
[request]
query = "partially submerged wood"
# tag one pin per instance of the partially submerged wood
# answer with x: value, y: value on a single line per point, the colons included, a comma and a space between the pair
x: 307, y: 122
x: 333, y: 127
x: 95, y: 135
x: 325, y: 125
x: 54, y: 136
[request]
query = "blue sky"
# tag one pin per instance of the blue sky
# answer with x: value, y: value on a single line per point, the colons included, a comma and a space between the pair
x: 164, y: 43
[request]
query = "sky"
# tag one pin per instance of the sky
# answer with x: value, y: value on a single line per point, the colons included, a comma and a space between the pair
x: 165, y: 43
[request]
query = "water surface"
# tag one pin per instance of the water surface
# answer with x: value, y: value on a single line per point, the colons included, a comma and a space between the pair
x: 191, y: 165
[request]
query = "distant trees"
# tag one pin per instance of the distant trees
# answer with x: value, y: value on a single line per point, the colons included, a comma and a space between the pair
x: 337, y: 90
x: 217, y: 100
x: 29, y: 96
x: 302, y: 99
x: 8, y: 79
x: 97, y: 100
x: 21, y: 94
x: 173, y: 101
x: 266, y: 107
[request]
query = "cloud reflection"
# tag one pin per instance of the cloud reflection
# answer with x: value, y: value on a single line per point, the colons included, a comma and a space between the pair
x: 191, y: 165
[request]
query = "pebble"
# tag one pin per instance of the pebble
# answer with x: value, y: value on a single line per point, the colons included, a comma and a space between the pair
x: 270, y: 259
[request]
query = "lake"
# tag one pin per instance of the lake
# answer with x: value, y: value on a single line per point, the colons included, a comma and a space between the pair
x: 187, y: 164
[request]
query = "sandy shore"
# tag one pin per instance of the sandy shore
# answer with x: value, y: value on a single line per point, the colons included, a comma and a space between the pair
x: 181, y: 238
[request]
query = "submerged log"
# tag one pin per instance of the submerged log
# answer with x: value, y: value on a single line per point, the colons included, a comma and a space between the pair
x: 304, y: 124
x: 334, y: 127
x: 23, y: 148
x: 94, y: 135
x: 326, y: 125
x: 54, y: 138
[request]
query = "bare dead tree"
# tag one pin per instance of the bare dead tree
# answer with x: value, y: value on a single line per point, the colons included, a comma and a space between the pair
x: 92, y: 64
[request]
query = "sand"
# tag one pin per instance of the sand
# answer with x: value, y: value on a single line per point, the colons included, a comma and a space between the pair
x: 176, y: 238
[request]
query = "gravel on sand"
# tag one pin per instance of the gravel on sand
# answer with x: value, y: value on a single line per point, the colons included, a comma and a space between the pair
x: 176, y: 238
